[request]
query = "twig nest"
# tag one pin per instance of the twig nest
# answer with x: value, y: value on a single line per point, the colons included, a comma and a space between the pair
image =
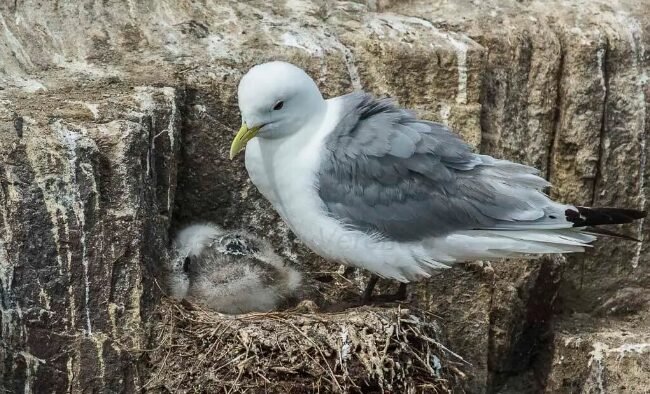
x: 363, y: 350
x: 228, y: 271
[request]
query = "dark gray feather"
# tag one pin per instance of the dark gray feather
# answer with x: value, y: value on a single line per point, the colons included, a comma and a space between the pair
x: 389, y: 173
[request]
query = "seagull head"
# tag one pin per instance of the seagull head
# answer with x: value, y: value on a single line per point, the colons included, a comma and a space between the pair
x: 276, y: 99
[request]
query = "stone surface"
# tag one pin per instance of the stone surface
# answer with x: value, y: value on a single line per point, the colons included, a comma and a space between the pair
x: 86, y: 185
x: 115, y: 129
x: 601, y: 356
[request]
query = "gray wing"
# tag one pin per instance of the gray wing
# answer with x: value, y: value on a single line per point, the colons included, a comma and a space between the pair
x: 387, y: 172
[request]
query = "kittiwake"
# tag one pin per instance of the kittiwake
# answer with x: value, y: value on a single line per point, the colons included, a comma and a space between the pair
x: 228, y: 271
x: 368, y: 184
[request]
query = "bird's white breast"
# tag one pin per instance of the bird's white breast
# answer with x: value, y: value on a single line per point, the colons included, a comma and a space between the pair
x: 285, y: 172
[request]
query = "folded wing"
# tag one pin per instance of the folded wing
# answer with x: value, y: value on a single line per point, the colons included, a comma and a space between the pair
x: 387, y: 173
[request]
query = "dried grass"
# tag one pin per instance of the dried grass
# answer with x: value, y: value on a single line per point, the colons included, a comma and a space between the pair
x: 366, y: 349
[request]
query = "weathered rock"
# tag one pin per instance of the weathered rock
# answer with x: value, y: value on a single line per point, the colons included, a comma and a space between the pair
x: 596, y: 356
x: 560, y: 85
x: 86, y: 185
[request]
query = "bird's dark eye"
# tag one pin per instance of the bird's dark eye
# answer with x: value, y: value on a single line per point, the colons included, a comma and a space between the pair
x: 278, y: 106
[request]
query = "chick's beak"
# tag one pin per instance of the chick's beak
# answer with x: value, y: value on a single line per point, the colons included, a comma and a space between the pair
x: 241, y: 139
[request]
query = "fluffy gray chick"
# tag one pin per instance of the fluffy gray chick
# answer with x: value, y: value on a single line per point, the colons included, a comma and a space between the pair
x: 229, y: 271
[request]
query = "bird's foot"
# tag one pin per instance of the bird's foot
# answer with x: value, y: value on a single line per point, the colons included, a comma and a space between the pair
x: 367, y: 297
x: 306, y: 306
x: 399, y: 295
x: 348, y: 271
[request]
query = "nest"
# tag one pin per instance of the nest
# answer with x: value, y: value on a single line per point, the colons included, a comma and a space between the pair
x: 364, y: 349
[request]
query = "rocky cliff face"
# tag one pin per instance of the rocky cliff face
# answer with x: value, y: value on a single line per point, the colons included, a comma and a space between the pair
x: 116, y: 122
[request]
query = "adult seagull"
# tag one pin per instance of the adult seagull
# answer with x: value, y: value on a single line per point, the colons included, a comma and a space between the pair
x: 366, y: 183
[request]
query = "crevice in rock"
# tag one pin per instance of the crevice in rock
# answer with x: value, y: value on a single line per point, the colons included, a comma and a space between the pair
x: 527, y: 360
x: 189, y: 98
x: 603, y: 59
x: 558, y: 110
x: 348, y: 56
x: 486, y: 100
x: 185, y: 100
x: 350, y: 62
x: 490, y: 342
x: 645, y: 96
x: 147, y: 122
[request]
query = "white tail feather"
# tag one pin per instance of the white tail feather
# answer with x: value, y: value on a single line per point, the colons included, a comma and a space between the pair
x: 488, y: 244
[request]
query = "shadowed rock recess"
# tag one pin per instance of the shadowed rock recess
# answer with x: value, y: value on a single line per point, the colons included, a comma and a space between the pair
x: 115, y: 124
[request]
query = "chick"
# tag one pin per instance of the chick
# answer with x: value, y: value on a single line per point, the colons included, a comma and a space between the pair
x: 229, y: 271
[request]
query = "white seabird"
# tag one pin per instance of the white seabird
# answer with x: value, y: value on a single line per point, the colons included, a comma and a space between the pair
x: 364, y: 182
x: 228, y: 271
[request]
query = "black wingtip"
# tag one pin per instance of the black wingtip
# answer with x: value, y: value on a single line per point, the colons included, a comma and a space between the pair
x: 585, y: 216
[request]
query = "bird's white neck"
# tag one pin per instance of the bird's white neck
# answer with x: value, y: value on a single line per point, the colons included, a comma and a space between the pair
x: 285, y: 168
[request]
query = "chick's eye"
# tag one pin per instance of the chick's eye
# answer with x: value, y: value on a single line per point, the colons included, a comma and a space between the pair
x: 278, y: 106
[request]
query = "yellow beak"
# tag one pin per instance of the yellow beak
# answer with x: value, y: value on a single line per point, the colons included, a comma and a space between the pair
x: 241, y: 139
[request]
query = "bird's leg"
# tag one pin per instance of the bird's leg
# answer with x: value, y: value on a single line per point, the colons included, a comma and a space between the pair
x: 399, y: 295
x: 348, y: 271
x: 401, y: 292
x: 367, y: 293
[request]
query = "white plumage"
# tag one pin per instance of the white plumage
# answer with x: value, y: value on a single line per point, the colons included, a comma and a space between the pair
x: 229, y: 271
x: 342, y: 172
